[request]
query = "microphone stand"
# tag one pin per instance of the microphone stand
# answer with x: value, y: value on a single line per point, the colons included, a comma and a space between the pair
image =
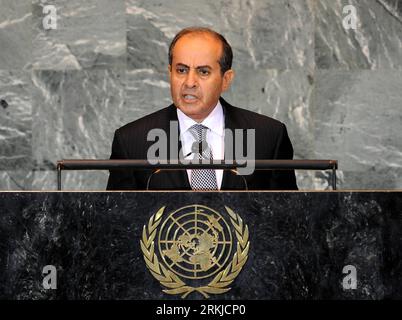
x: 196, y: 148
x: 237, y: 174
x: 150, y: 177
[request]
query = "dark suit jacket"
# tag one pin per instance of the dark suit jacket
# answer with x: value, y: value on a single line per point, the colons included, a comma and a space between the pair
x: 272, y: 142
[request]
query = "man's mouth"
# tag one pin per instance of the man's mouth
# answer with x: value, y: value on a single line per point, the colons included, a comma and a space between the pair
x: 189, y: 97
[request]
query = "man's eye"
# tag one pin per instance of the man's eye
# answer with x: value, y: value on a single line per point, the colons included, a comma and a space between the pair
x: 181, y: 70
x: 203, y: 72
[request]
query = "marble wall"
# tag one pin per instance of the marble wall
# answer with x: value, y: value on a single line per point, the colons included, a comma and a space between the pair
x: 64, y: 91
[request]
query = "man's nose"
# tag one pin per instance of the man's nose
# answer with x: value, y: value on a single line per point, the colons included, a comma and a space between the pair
x: 191, y: 79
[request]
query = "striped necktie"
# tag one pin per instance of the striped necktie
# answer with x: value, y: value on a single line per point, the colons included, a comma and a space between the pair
x: 202, y: 179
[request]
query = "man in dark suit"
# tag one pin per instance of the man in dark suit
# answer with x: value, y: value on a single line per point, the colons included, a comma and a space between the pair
x: 200, y: 70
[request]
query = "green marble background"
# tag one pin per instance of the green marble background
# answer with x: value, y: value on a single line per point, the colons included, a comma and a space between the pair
x: 63, y: 92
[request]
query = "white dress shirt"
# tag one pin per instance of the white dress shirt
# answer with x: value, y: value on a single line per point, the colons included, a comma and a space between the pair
x: 215, y: 136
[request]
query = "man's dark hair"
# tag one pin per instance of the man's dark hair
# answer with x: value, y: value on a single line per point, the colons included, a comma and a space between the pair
x: 225, y: 61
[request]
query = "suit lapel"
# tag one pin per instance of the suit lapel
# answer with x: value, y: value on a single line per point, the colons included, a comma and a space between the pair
x: 230, y: 180
x: 178, y: 178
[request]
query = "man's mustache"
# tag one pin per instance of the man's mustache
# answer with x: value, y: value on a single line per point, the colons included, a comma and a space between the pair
x: 190, y: 92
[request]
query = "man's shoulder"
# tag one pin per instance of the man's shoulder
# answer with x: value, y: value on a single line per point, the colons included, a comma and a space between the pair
x: 246, y: 118
x: 157, y: 119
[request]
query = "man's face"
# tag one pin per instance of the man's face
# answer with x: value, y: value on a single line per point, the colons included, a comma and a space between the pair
x: 196, y: 82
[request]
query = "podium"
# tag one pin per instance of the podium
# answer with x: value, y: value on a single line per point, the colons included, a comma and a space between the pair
x: 302, y: 245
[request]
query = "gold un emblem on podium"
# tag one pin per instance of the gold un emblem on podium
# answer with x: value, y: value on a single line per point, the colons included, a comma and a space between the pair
x: 192, y: 249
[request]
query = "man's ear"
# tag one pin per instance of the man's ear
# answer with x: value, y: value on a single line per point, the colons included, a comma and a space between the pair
x: 227, y: 79
x: 170, y: 70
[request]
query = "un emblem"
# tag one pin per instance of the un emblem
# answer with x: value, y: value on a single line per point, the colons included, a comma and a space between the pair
x: 195, y: 249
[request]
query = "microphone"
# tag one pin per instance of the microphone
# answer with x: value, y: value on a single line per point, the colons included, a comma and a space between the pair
x: 234, y: 171
x: 197, y: 148
x: 150, y: 177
